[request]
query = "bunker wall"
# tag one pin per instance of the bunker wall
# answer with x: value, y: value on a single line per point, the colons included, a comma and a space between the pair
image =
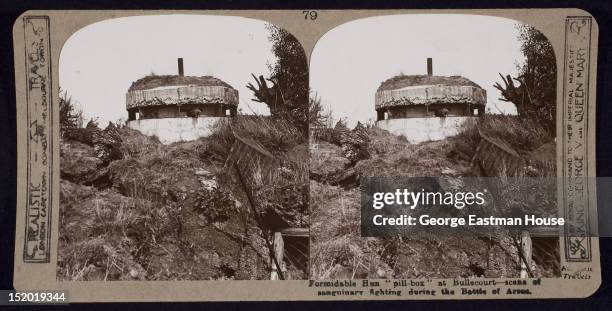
x: 418, y: 130
x: 170, y: 130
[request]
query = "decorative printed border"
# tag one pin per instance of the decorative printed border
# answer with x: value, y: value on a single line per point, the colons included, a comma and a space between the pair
x: 575, y: 138
x: 37, y: 242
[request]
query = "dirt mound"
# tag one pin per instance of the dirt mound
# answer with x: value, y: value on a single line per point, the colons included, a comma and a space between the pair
x: 78, y: 162
x: 382, y: 142
x: 327, y: 163
x: 337, y: 249
x: 451, y: 256
x: 134, y: 209
x: 134, y: 144
x: 424, y: 159
x: 107, y: 236
x: 97, y: 229
x: 148, y: 214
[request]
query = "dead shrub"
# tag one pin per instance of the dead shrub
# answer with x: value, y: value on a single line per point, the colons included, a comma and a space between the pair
x: 522, y: 134
x: 275, y: 134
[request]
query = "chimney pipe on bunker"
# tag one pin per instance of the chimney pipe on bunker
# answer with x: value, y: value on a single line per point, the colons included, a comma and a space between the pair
x: 180, y: 67
x: 429, y: 66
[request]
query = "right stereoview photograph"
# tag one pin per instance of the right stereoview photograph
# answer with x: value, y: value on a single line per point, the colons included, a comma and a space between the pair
x: 431, y: 95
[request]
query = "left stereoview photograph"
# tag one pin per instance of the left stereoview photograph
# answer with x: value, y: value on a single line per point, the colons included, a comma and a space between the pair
x: 183, y: 151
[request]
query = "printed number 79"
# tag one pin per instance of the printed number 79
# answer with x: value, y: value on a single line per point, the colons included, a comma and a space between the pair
x: 312, y: 15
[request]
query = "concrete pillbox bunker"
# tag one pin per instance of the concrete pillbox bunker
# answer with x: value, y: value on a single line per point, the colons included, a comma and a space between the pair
x: 178, y: 107
x: 427, y: 107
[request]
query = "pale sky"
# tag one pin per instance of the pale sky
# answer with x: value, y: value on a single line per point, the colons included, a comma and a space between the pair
x: 350, y: 61
x: 99, y: 62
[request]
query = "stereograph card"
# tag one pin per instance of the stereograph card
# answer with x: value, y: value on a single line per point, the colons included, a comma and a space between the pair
x: 273, y: 155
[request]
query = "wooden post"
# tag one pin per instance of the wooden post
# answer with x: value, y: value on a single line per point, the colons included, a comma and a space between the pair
x: 279, y: 253
x: 527, y: 257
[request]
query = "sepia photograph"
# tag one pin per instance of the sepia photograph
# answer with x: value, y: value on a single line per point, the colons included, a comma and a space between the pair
x: 433, y: 95
x: 208, y: 155
x: 183, y: 151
